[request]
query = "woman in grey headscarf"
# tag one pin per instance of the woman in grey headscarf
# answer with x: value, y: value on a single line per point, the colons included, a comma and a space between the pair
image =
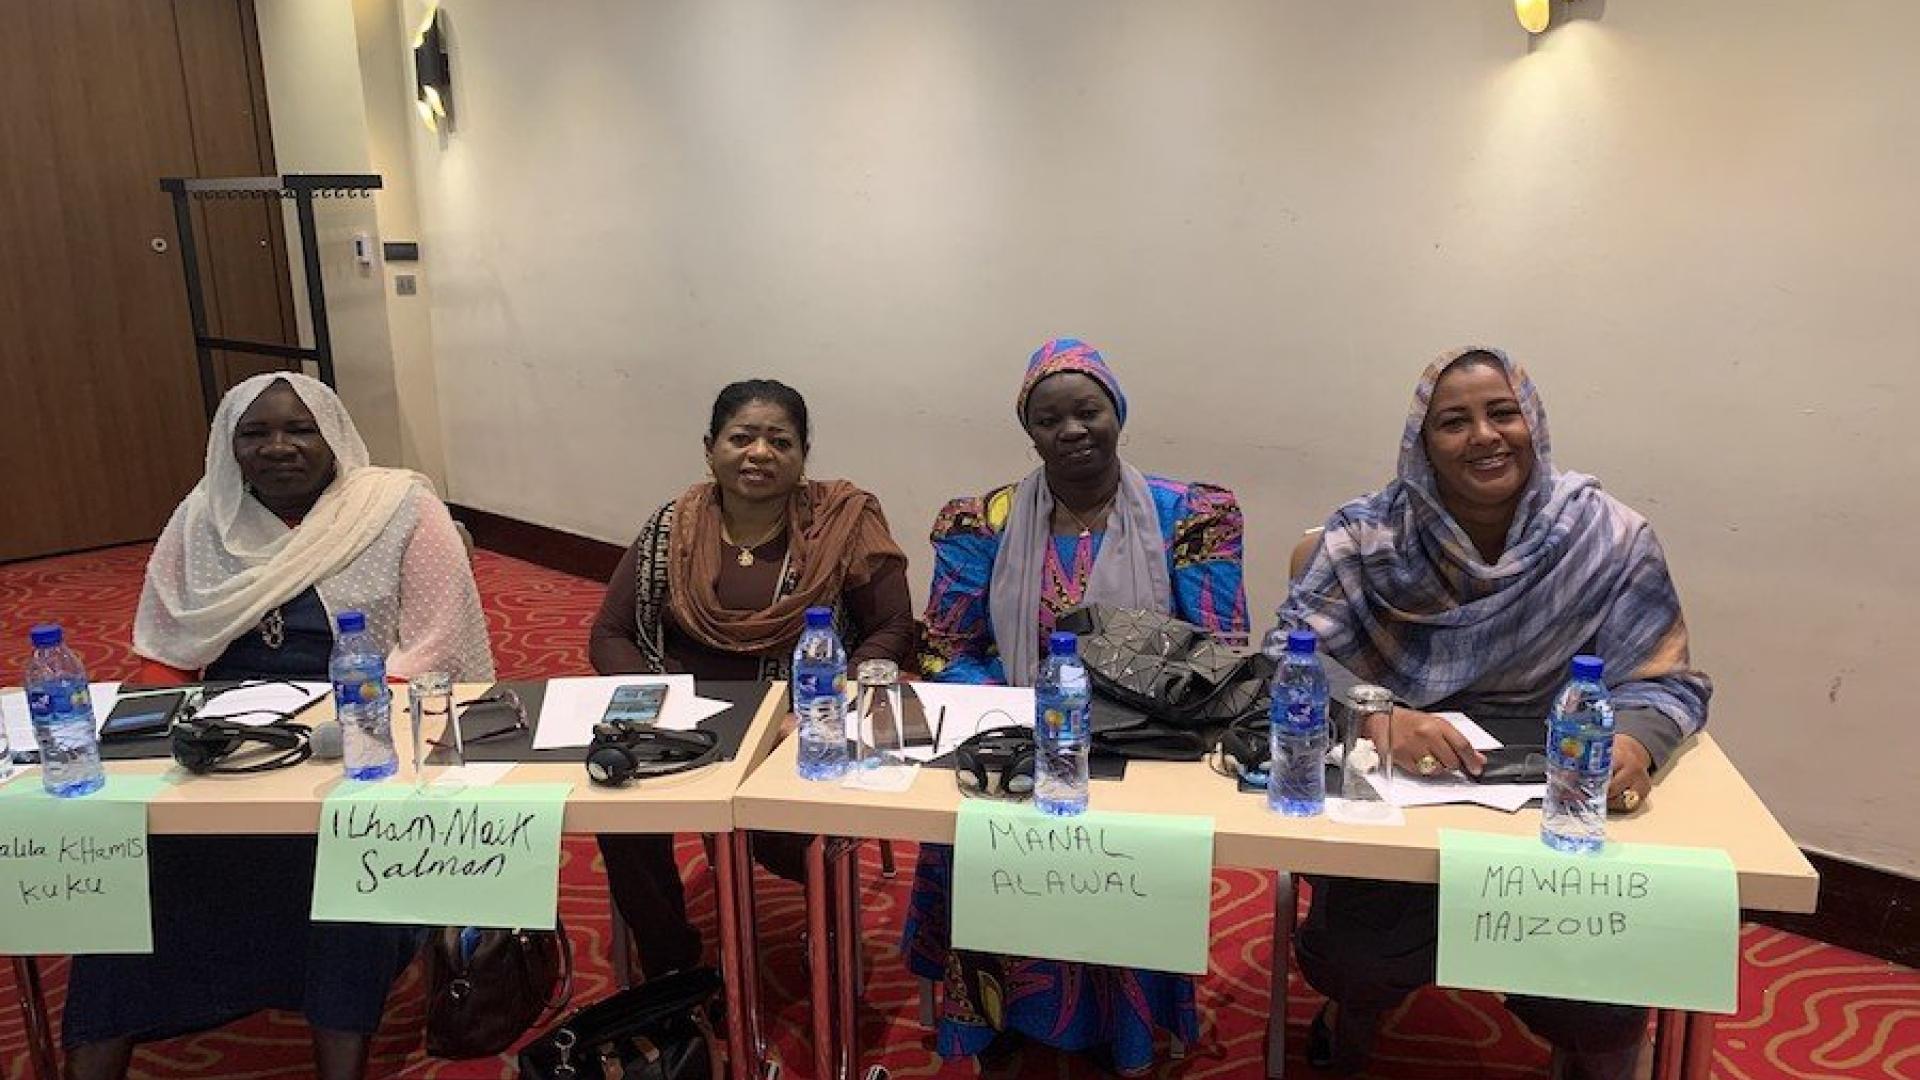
x: 1083, y: 528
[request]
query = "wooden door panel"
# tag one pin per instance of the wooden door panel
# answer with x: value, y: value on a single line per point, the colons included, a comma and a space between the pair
x: 102, y: 429
x: 97, y: 359
x: 242, y: 266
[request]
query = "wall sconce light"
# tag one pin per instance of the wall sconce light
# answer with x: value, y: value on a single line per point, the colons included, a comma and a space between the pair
x: 1533, y: 14
x: 432, y: 77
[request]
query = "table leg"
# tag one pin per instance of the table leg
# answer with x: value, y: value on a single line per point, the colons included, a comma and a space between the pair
x: 1669, y: 1043
x: 33, y: 1011
x: 1696, y: 1062
x: 820, y: 955
x: 1286, y: 912
x: 741, y: 842
x: 736, y: 964
x: 846, y: 967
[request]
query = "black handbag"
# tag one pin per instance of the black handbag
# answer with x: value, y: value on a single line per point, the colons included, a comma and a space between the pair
x: 486, y: 987
x: 1168, y: 685
x: 655, y: 1031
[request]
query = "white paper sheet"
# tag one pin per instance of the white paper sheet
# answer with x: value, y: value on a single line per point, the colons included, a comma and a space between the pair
x: 572, y: 706
x: 19, y: 723
x: 266, y: 703
x: 1450, y: 788
x: 1477, y: 736
x: 969, y: 710
x: 471, y: 775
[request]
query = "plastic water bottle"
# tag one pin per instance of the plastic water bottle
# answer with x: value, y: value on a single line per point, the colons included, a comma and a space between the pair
x: 820, y: 698
x: 1062, y: 728
x: 362, y: 701
x: 1579, y: 761
x: 1298, y: 736
x: 62, y: 711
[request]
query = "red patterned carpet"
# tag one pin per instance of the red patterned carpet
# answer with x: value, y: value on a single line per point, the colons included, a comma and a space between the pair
x: 1806, y: 1010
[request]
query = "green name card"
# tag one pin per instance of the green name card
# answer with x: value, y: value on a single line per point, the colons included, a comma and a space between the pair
x: 1132, y: 890
x: 481, y: 856
x: 73, y: 872
x: 1636, y: 924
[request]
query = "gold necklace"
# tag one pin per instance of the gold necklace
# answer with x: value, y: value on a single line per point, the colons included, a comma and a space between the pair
x: 1086, y: 529
x: 745, y: 558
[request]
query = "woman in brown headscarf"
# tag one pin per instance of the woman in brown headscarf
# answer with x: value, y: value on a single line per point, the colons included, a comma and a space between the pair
x: 717, y: 586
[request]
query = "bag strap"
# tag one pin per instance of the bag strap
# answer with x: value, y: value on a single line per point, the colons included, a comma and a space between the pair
x: 560, y: 999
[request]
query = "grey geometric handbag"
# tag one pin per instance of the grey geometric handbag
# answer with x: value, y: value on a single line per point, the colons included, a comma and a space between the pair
x: 1170, y: 671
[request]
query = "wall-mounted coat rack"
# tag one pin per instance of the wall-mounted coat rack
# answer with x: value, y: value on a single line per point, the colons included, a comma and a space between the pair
x: 302, y: 189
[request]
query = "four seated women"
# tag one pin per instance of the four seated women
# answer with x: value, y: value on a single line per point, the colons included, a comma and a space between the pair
x: 1467, y: 583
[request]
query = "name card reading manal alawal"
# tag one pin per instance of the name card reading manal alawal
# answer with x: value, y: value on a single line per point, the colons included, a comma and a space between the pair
x: 478, y: 856
x: 1132, y: 890
x: 73, y: 872
x: 1636, y: 924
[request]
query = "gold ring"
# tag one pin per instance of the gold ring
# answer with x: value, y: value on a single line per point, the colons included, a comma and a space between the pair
x: 1630, y: 798
x: 1428, y: 764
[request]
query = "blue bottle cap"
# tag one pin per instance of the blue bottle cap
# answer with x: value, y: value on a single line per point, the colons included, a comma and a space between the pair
x: 1588, y: 667
x: 819, y: 618
x: 1062, y: 643
x: 46, y: 635
x: 351, y: 622
x: 1302, y: 642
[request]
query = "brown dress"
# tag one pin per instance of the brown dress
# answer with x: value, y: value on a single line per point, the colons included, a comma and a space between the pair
x: 877, y: 622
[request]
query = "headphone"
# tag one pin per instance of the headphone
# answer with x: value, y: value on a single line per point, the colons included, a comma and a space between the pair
x: 203, y: 746
x: 622, y: 751
x: 996, y: 764
x: 1246, y: 751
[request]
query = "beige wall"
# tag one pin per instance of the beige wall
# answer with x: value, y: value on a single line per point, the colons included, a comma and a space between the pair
x: 1695, y: 221
x: 339, y: 94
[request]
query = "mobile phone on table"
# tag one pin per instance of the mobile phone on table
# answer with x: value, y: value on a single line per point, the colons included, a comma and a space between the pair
x: 1512, y: 765
x: 635, y: 704
x: 142, y: 715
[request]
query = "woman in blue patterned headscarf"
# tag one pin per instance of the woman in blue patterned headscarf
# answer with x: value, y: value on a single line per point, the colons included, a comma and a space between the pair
x: 1468, y: 583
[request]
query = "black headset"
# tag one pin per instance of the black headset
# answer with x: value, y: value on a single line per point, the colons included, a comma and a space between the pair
x: 996, y: 764
x: 205, y: 746
x: 622, y: 752
x: 1246, y: 751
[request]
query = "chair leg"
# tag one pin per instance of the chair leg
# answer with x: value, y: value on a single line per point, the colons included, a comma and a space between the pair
x: 887, y: 869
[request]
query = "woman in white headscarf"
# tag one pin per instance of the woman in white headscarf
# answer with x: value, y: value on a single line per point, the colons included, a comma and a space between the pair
x: 289, y: 527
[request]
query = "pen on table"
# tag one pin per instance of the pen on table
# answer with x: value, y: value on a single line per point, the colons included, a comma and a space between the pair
x: 939, y: 728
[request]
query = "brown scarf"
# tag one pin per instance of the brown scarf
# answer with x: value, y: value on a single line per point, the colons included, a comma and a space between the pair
x: 837, y: 539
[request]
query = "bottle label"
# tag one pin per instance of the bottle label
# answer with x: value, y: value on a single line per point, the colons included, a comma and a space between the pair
x: 358, y: 692
x: 48, y: 702
x: 1300, y: 718
x: 1582, y: 752
x: 809, y: 684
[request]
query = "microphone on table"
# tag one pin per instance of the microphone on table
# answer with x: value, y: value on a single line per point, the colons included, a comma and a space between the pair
x: 326, y: 740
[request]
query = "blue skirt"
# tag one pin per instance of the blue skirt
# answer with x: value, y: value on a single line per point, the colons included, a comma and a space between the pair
x: 231, y: 936
x: 1113, y: 1011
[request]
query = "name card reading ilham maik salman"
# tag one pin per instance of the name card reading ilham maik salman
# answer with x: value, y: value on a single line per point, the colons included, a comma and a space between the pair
x: 1132, y: 890
x: 477, y: 856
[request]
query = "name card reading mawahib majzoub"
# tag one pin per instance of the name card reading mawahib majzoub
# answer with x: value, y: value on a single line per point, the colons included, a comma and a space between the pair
x: 1636, y: 924
x: 73, y: 872
x: 477, y: 856
x: 1132, y: 890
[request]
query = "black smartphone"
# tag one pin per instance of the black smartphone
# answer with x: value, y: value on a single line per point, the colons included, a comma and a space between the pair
x: 1513, y: 765
x: 143, y: 715
x: 635, y: 704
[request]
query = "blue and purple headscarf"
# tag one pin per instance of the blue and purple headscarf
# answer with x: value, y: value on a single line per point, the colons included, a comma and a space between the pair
x: 1069, y: 354
x: 1398, y: 593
